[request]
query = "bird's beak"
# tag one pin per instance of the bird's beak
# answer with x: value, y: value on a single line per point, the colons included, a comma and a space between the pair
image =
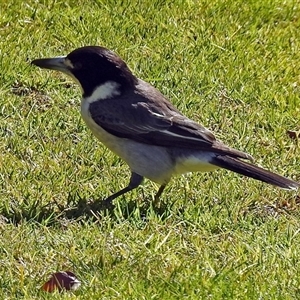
x: 60, y: 63
x: 56, y: 63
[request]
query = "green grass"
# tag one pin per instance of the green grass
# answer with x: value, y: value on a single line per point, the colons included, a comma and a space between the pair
x: 230, y: 65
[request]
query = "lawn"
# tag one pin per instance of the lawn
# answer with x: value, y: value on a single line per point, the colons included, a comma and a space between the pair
x: 232, y: 66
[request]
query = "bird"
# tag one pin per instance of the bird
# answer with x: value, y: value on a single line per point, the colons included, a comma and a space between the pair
x: 140, y: 125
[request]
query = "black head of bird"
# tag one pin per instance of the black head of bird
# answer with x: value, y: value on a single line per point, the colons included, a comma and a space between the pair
x: 91, y: 66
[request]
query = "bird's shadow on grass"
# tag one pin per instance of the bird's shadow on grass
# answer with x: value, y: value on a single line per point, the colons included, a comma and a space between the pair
x: 80, y: 210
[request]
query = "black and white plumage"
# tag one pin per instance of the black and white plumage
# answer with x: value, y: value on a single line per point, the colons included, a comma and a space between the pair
x: 135, y: 121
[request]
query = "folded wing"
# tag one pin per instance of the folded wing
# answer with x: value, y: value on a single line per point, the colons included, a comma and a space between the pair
x: 155, y: 123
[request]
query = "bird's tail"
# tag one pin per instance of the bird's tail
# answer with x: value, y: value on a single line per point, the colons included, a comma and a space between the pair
x: 249, y: 170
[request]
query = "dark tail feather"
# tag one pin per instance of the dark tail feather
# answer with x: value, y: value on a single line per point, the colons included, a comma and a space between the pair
x: 249, y: 170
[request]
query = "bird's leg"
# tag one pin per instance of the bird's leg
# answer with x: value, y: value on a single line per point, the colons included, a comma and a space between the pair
x: 135, y: 181
x: 158, y: 194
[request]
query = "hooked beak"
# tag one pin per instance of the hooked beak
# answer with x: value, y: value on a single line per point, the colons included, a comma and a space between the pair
x: 60, y: 63
x: 56, y: 63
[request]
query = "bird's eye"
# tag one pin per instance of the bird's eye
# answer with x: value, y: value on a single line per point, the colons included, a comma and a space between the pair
x: 78, y: 65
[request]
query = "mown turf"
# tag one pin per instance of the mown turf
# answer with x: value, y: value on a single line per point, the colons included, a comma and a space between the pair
x: 230, y: 65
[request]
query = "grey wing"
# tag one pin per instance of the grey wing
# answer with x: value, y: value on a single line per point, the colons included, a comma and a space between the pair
x: 142, y: 122
x: 156, y: 123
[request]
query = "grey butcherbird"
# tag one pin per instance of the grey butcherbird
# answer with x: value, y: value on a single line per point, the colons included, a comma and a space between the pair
x: 135, y: 121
